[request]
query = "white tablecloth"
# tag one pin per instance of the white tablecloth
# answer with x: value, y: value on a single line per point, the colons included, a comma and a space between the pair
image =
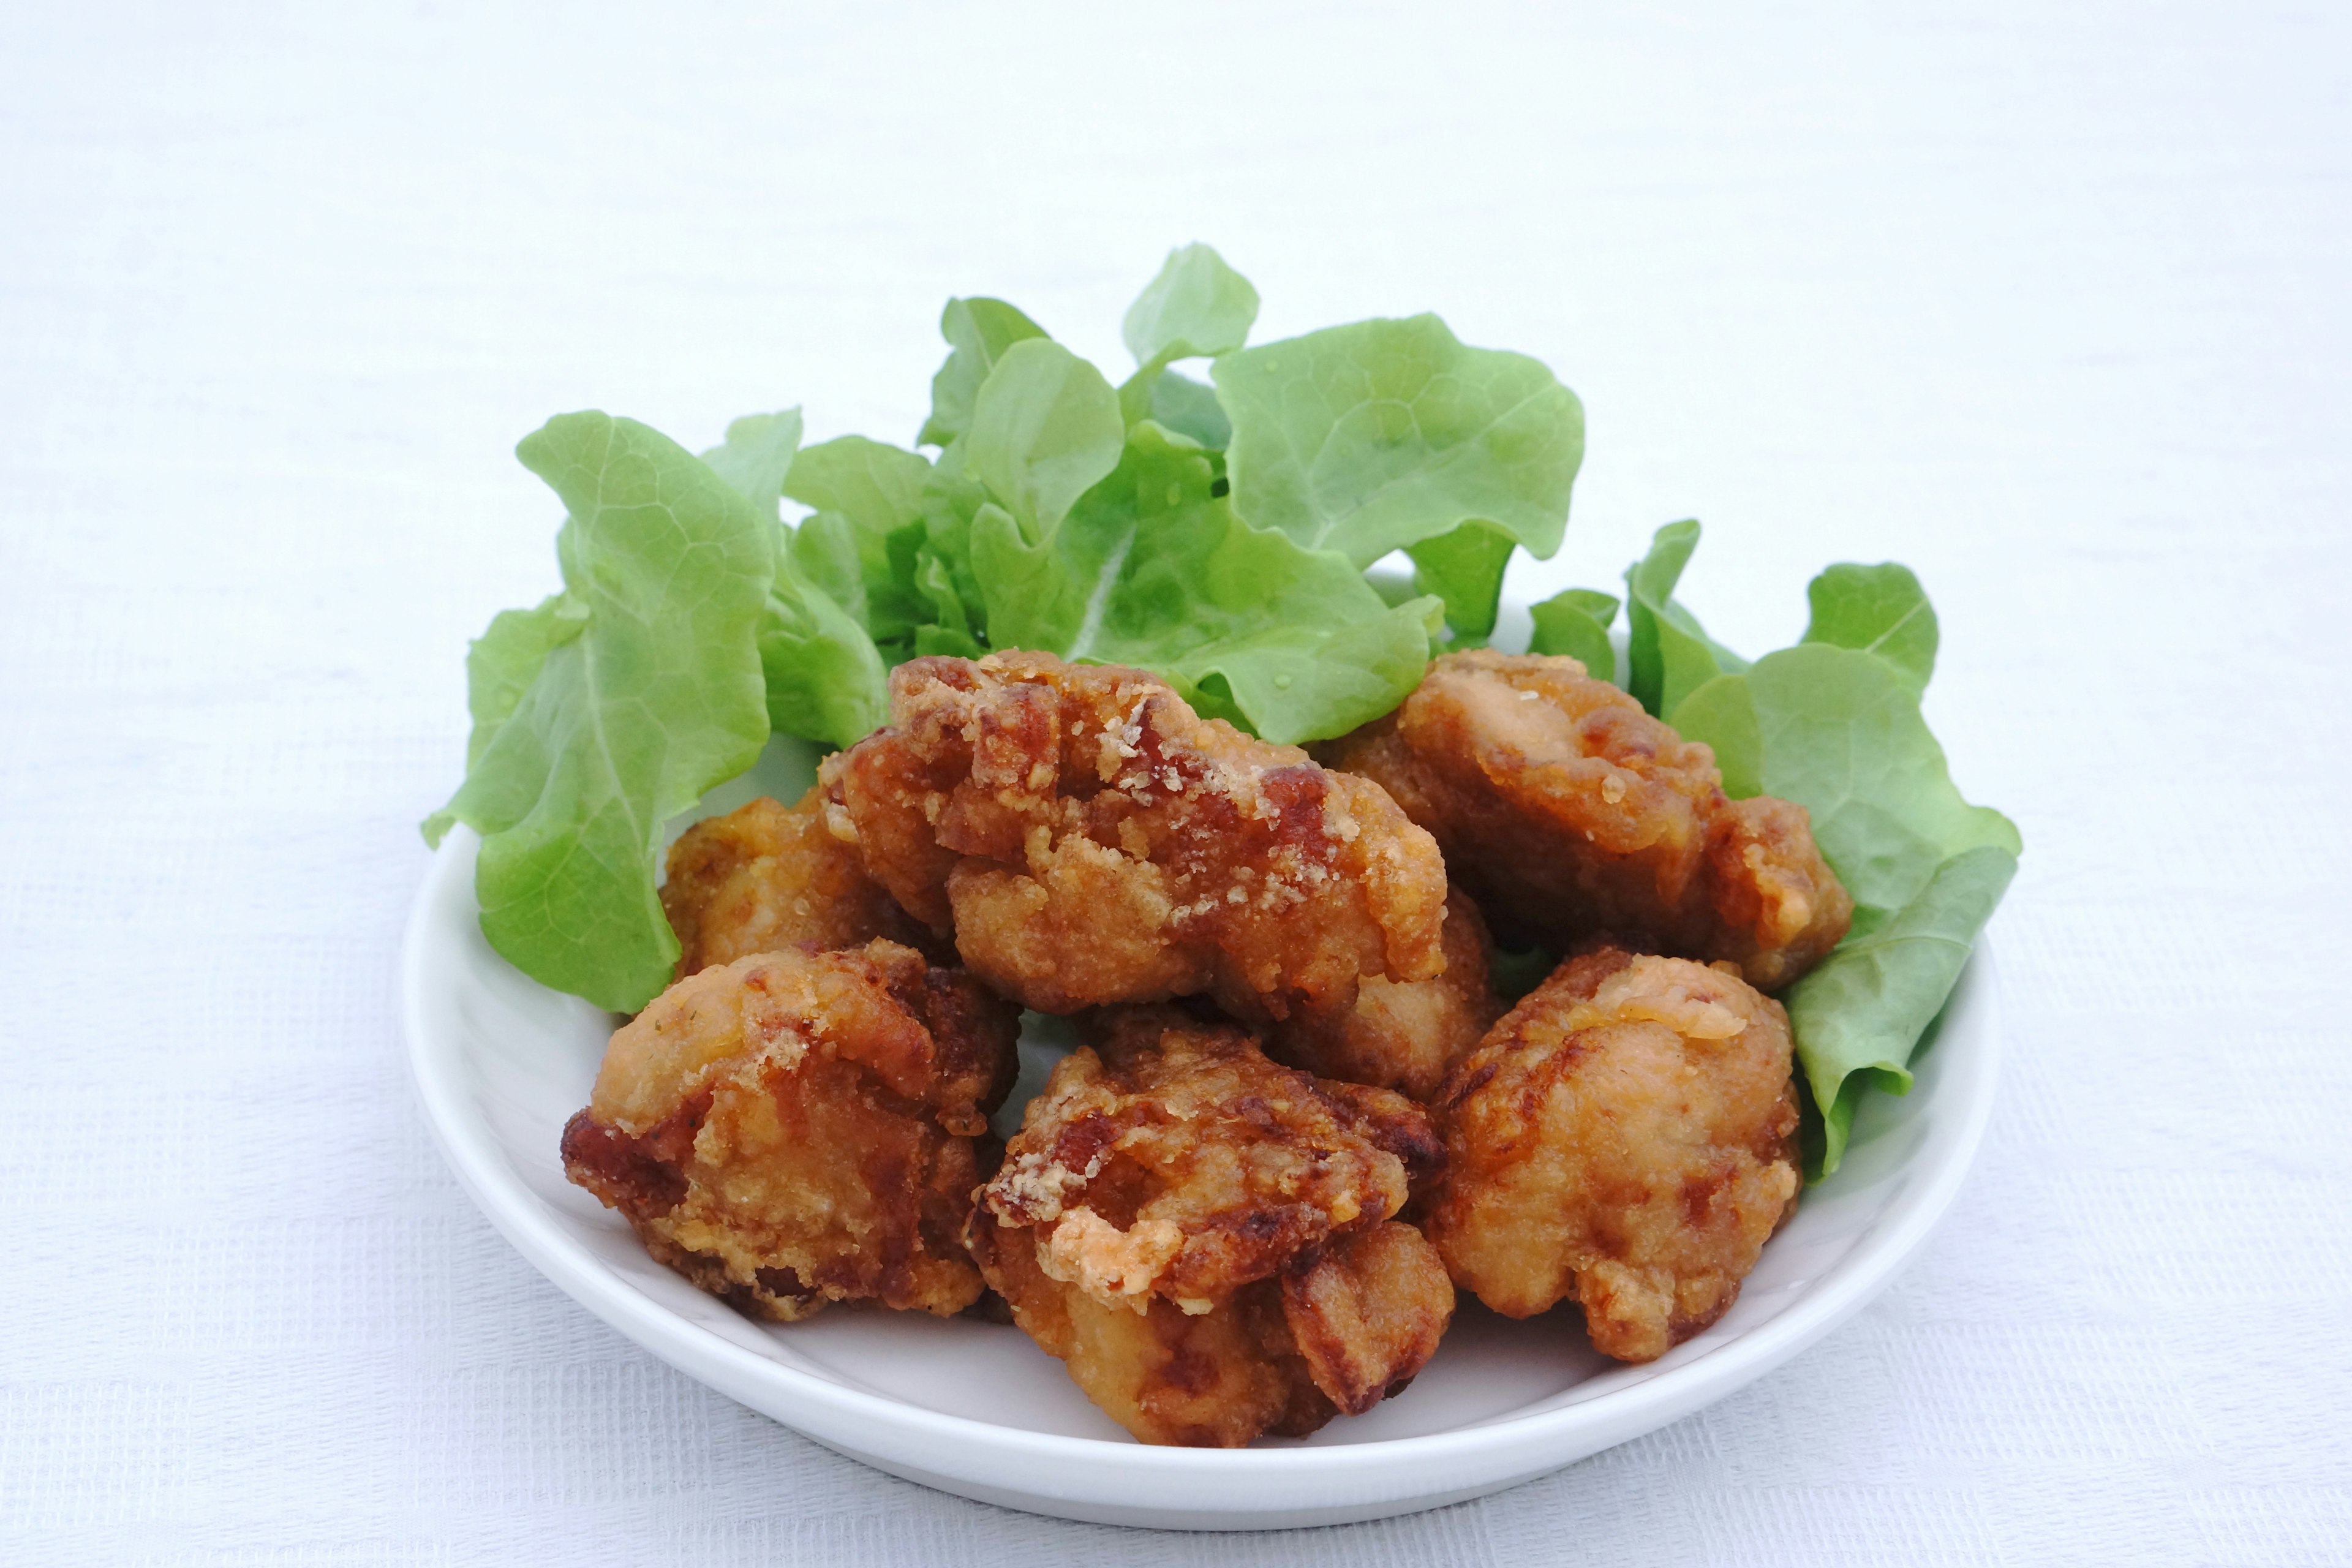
x: 2049, y: 301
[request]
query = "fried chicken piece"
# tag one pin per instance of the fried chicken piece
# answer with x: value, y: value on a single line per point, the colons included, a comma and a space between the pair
x: 767, y: 877
x: 1569, y: 812
x: 1090, y: 840
x: 1205, y: 1238
x: 1402, y: 1034
x: 1624, y: 1135
x: 793, y: 1129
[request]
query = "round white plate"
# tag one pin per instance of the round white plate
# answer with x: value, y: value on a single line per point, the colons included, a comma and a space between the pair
x: 974, y: 1408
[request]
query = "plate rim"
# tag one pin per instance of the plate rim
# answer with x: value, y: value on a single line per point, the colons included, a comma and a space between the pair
x: 1518, y: 1447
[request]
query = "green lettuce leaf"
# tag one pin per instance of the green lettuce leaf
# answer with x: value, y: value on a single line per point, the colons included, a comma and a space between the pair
x: 831, y: 585
x: 1184, y: 406
x: 1151, y: 568
x: 1861, y: 1014
x: 942, y: 574
x: 1576, y: 622
x: 1045, y: 428
x: 757, y: 455
x: 658, y: 695
x: 501, y: 664
x: 825, y: 679
x: 950, y: 630
x: 1465, y: 568
x: 1371, y: 437
x: 876, y: 485
x: 1668, y: 654
x: 978, y: 332
x: 854, y: 569
x: 1196, y: 306
x: 1878, y: 609
x: 860, y: 545
x: 1838, y: 732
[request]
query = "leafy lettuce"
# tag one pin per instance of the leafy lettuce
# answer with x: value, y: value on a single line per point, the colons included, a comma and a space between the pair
x: 1465, y: 570
x: 1044, y: 428
x: 755, y: 457
x: 1152, y: 568
x: 1196, y: 308
x: 648, y: 690
x: 1367, y: 438
x: 1576, y: 622
x: 1668, y: 654
x: 1220, y: 532
x: 978, y: 332
x: 505, y: 659
x: 825, y: 679
x: 1878, y: 609
x: 1387, y: 433
x: 862, y: 545
x: 1834, y: 724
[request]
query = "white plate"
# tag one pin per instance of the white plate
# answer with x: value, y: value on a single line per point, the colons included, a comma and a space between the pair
x: 975, y: 1409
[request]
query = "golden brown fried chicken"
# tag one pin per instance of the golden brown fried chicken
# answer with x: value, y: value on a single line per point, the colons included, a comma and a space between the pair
x: 1090, y: 840
x: 1400, y: 1034
x: 766, y: 877
x: 1569, y: 812
x: 1624, y: 1135
x: 1205, y: 1238
x: 793, y: 1129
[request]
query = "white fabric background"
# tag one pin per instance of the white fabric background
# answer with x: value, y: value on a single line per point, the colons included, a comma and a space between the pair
x: 2049, y: 301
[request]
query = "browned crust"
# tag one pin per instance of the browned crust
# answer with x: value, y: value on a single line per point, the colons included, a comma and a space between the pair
x: 1402, y: 1035
x: 1090, y: 840
x: 1570, y: 812
x: 766, y: 877
x: 793, y: 1129
x: 1205, y: 1238
x: 1624, y: 1138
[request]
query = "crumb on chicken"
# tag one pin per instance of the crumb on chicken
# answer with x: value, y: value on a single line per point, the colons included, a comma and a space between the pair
x: 794, y: 1128
x: 1207, y: 1239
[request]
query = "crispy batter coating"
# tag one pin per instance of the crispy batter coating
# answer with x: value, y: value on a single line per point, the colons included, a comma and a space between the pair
x: 1570, y: 812
x: 1624, y: 1135
x: 793, y: 1129
x: 1090, y: 840
x: 768, y: 877
x: 1402, y: 1034
x: 1205, y: 1238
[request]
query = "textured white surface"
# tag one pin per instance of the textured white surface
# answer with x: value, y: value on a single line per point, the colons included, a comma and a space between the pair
x: 2048, y: 301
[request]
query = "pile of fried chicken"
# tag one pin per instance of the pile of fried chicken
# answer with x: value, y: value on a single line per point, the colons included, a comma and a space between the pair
x: 1302, y: 1117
